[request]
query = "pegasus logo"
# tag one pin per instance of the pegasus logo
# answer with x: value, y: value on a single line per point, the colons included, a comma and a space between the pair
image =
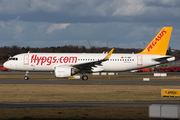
x: 157, y: 39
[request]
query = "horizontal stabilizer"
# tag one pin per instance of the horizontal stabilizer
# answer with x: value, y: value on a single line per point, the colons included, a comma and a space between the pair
x: 164, y: 59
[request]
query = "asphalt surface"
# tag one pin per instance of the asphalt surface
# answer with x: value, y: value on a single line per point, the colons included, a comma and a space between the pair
x: 84, y: 104
x: 120, y: 73
x: 90, y: 82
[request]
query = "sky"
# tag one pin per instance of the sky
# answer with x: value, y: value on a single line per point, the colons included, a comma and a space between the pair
x: 123, y: 23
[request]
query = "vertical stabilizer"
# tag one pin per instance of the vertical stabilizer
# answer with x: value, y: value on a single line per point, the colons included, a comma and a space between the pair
x: 159, y: 45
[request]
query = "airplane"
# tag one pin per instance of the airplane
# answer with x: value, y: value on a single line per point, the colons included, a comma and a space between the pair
x: 65, y: 65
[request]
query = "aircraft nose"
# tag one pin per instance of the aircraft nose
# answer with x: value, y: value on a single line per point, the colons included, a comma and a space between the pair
x: 6, y: 65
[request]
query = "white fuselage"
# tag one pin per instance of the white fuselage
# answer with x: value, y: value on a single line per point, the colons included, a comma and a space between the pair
x: 47, y: 61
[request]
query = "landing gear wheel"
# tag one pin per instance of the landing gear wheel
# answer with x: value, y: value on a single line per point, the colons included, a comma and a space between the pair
x: 84, y: 77
x: 26, y: 78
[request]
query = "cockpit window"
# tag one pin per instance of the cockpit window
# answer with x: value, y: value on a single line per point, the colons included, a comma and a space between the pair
x: 14, y: 59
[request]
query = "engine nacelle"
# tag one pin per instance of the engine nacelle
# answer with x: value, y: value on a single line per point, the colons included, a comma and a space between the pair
x: 64, y: 71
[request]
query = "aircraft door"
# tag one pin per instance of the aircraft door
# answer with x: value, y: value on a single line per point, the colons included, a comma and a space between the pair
x: 26, y: 60
x: 139, y: 60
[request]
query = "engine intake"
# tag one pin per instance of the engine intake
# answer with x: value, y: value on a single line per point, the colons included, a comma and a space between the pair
x: 64, y: 71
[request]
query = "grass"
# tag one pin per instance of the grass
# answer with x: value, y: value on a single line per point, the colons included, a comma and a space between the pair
x: 15, y: 93
x: 104, y: 113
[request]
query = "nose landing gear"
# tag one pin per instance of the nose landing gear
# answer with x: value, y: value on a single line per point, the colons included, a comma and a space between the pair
x: 26, y: 76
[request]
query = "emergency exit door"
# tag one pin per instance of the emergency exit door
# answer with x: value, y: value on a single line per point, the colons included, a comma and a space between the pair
x: 139, y: 60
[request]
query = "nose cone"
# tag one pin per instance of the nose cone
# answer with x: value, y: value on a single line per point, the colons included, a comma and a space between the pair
x: 6, y: 65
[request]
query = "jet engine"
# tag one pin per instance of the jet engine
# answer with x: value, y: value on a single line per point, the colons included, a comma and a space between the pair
x: 64, y: 71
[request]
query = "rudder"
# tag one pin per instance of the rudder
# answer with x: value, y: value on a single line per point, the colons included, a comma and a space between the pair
x: 159, y: 45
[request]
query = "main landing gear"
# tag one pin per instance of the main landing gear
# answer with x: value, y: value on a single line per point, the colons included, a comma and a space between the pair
x: 26, y: 76
x: 84, y: 77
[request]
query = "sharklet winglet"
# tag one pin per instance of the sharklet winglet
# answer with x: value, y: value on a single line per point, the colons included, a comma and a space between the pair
x: 109, y: 54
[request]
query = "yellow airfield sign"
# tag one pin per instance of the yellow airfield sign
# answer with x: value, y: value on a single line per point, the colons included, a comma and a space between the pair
x: 170, y: 92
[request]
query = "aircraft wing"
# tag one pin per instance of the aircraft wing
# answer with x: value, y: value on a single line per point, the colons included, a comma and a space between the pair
x: 89, y: 65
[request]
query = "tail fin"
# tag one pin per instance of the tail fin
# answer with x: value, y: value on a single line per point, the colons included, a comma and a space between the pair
x: 158, y: 46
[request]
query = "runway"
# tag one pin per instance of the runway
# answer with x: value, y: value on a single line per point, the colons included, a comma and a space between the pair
x: 139, y: 81
x: 90, y: 82
x: 119, y: 73
x: 84, y: 104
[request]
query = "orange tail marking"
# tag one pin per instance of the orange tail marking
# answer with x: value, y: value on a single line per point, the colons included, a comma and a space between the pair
x: 158, y: 46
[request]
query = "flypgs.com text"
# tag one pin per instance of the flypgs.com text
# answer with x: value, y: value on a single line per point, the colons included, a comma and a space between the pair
x: 40, y: 60
x: 157, y: 39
